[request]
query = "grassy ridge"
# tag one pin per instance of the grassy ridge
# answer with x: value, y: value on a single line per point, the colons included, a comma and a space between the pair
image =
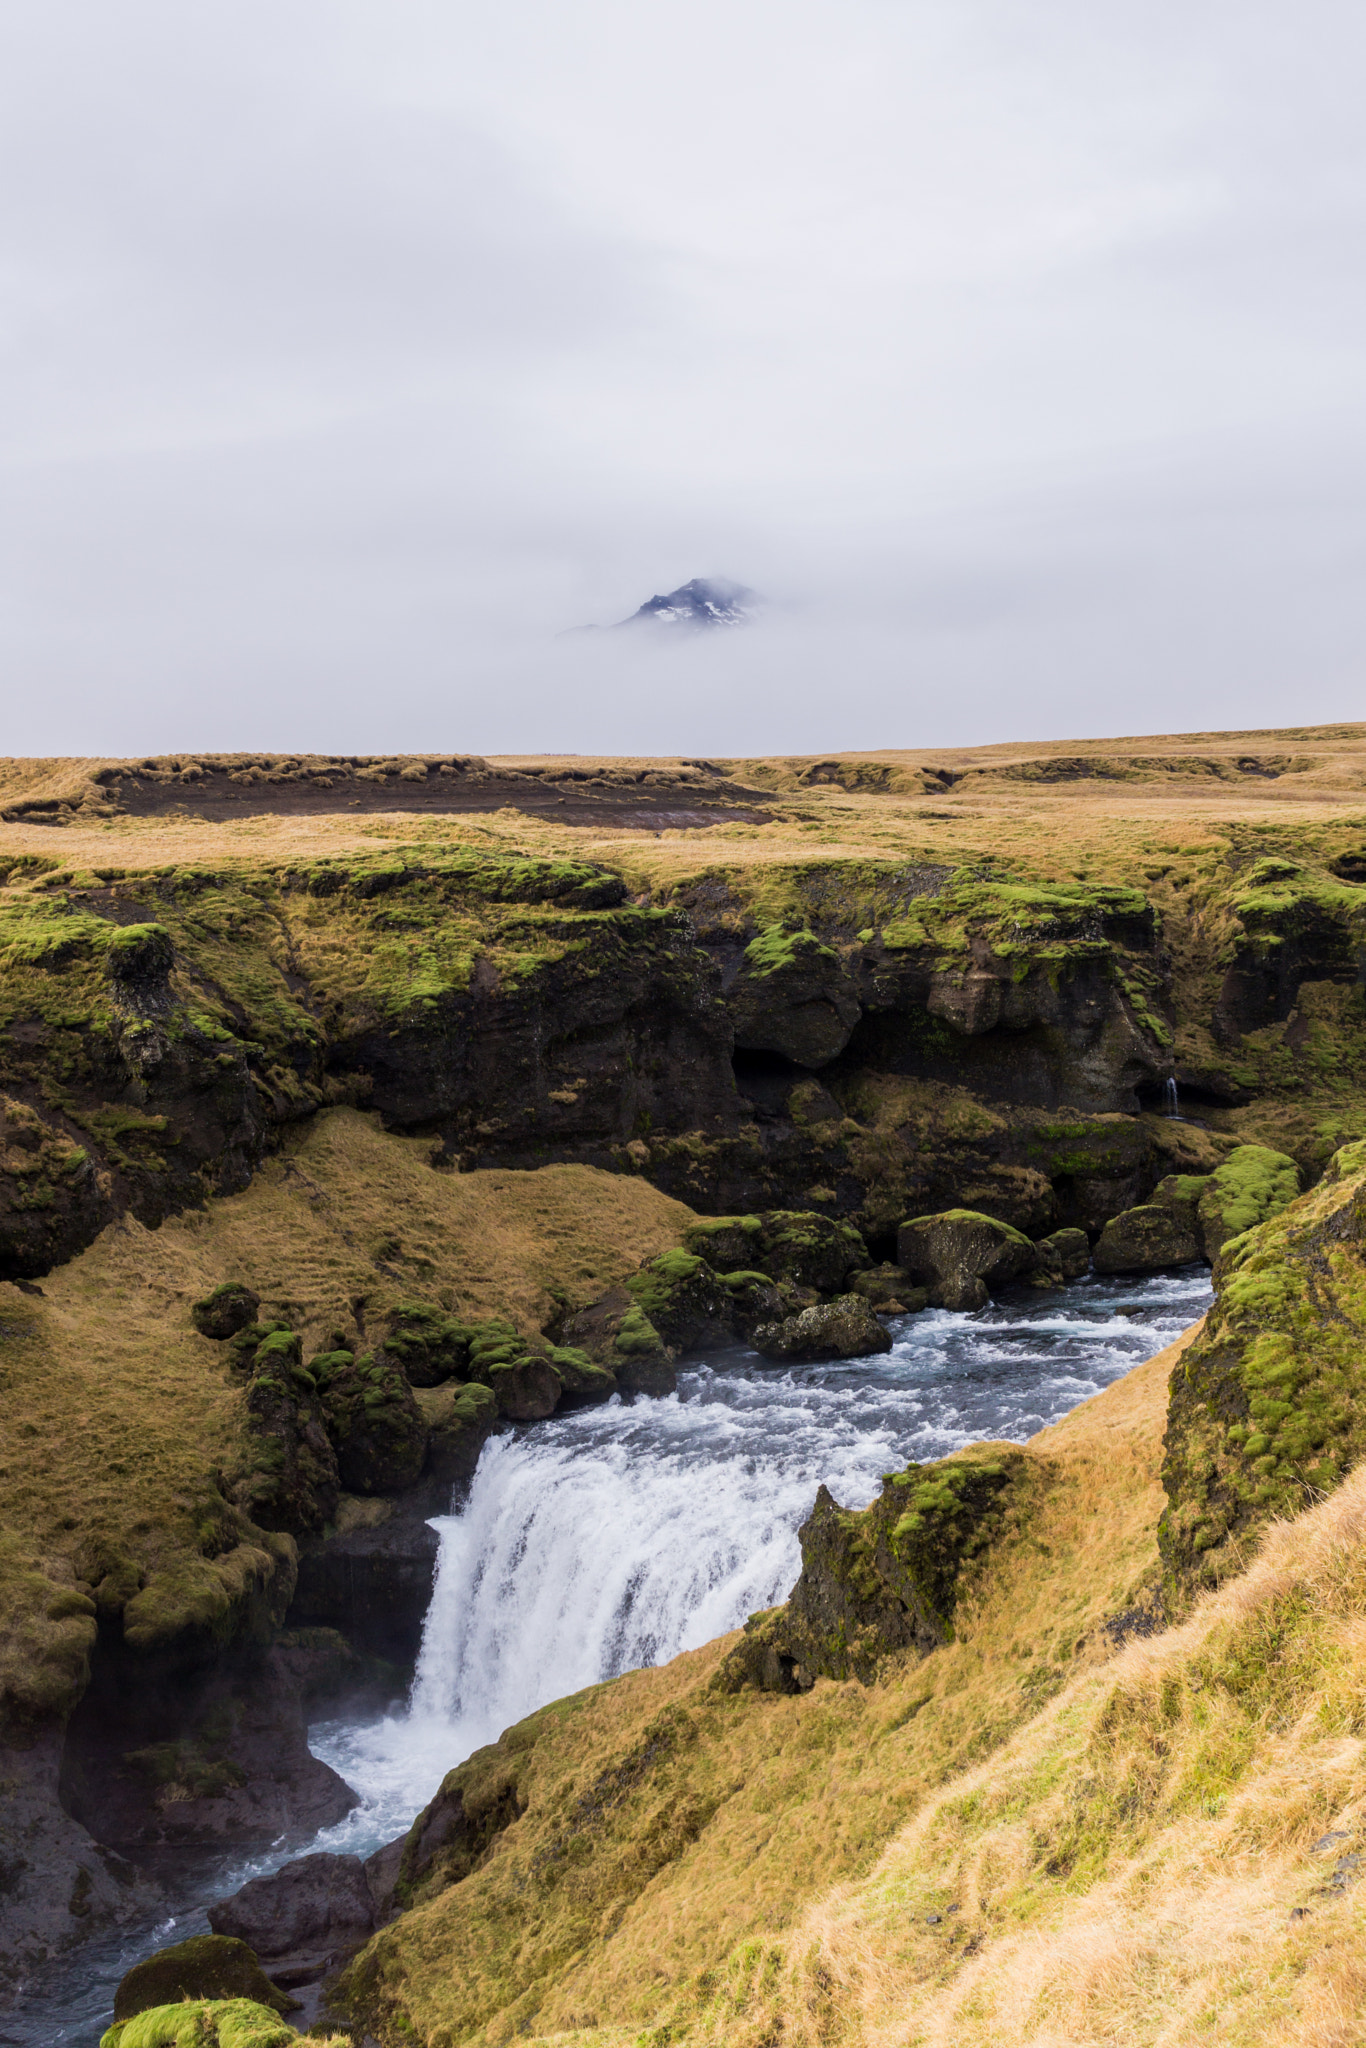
x: 125, y: 1429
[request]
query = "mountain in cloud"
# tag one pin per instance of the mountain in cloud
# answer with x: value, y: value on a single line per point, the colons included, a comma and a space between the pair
x: 706, y: 601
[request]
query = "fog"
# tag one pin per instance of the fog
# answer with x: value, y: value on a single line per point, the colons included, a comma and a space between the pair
x: 353, y: 352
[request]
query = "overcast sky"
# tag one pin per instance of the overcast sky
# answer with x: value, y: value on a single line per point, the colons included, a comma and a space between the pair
x: 354, y: 348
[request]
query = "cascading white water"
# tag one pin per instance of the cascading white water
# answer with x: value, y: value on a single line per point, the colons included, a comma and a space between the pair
x: 619, y: 1535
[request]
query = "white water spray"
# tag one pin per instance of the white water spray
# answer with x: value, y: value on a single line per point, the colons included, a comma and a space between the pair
x: 619, y: 1535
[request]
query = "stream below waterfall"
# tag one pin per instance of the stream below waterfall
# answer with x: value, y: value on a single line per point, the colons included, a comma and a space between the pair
x: 618, y: 1535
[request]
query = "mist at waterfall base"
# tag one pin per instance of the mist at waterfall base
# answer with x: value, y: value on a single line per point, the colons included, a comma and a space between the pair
x: 616, y: 1536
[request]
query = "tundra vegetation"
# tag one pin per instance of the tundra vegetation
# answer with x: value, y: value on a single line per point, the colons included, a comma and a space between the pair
x: 353, y: 1109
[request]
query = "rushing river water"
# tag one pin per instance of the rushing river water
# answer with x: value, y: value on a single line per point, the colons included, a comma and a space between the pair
x: 618, y: 1535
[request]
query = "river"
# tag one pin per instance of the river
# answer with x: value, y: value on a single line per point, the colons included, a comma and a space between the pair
x: 618, y: 1535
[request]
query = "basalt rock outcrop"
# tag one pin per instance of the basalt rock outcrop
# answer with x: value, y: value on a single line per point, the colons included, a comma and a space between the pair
x: 213, y: 1966
x: 963, y: 1257
x: 1265, y: 1409
x: 886, y: 1580
x: 843, y: 1328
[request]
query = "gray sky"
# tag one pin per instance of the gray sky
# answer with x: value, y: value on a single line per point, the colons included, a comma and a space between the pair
x: 352, y: 350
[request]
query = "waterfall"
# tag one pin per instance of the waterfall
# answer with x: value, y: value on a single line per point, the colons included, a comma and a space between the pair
x: 617, y: 1536
x: 1171, y: 1095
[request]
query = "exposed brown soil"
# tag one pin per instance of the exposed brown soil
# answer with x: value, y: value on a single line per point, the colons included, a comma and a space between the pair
x: 648, y: 800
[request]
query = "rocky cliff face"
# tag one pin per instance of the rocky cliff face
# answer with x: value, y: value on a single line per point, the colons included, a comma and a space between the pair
x: 162, y: 1029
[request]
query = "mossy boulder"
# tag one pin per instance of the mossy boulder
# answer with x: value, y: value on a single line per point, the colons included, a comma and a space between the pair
x: 793, y: 995
x: 246, y: 1342
x: 1145, y: 1240
x: 227, y: 1310
x: 685, y: 1302
x: 796, y: 1245
x: 517, y: 1369
x: 1266, y: 1409
x: 888, y: 1578
x: 458, y: 1419
x: 580, y: 1375
x: 843, y: 1328
x: 811, y: 1250
x: 1063, y: 1255
x: 429, y: 1345
x: 727, y: 1243
x: 206, y: 1966
x: 962, y: 1256
x: 755, y: 1299
x: 887, y: 1289
x: 293, y: 1481
x: 139, y: 952
x: 616, y: 1333
x: 373, y: 1420
x: 1251, y: 1186
x: 226, y: 2023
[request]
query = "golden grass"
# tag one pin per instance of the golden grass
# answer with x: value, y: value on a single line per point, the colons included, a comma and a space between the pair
x: 619, y: 1919
x: 117, y: 1413
x: 1133, y: 1864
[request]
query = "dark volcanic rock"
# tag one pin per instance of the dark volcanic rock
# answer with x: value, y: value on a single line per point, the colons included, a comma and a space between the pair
x: 295, y: 1481
x: 205, y: 1966
x: 1146, y: 1239
x: 685, y: 1302
x: 57, y: 1885
x: 316, y: 1905
x: 618, y: 1334
x: 793, y: 995
x: 844, y: 1328
x: 886, y: 1579
x: 373, y: 1420
x: 227, y: 1310
x: 962, y: 1256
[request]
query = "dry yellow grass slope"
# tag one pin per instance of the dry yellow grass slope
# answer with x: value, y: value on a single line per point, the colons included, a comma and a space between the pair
x: 1164, y: 1853
x: 117, y: 1414
x: 674, y: 1835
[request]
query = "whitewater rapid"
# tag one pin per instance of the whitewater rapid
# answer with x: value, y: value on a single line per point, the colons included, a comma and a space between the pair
x: 616, y: 1536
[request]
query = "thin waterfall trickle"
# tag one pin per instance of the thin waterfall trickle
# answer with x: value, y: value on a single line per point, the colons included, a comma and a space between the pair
x: 1172, y: 1107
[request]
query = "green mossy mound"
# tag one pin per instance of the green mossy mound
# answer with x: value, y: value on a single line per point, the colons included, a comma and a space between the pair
x: 1266, y: 1406
x: 226, y: 2023
x: 616, y: 1334
x: 1145, y: 1240
x: 293, y: 1482
x: 1253, y: 1184
x: 373, y: 1420
x: 962, y: 1256
x: 797, y: 1245
x: 888, y: 1578
x: 525, y: 1384
x: 139, y: 952
x: 684, y: 1300
x: 228, y: 1310
x: 207, y: 1966
x: 429, y: 1345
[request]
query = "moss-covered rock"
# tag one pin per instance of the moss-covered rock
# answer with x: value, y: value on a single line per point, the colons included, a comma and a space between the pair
x: 962, y: 1257
x: 428, y: 1344
x: 793, y: 995
x: 525, y: 1384
x: 727, y: 1243
x: 225, y: 1311
x: 887, y: 1289
x: 1063, y: 1255
x: 207, y: 1966
x: 685, y: 1302
x: 293, y: 1481
x: 458, y: 1419
x: 139, y: 952
x: 227, y: 2023
x: 1145, y: 1240
x: 374, y: 1422
x: 616, y: 1333
x: 800, y: 1246
x: 1266, y: 1405
x: 887, y: 1578
x: 843, y: 1328
x: 579, y: 1374
x: 1252, y: 1185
